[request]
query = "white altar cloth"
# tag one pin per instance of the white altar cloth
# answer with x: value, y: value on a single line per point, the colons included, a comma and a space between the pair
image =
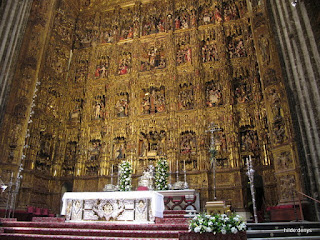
x: 157, y: 203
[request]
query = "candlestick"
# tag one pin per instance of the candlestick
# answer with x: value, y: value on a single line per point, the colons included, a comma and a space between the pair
x: 112, y: 174
x: 250, y: 173
x: 177, y: 171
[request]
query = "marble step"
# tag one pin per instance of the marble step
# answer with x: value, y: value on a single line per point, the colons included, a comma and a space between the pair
x: 93, y: 232
x: 99, y: 225
x: 9, y: 236
x: 287, y: 238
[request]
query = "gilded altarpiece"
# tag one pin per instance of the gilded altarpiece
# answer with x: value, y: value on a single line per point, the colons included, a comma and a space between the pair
x: 141, y: 80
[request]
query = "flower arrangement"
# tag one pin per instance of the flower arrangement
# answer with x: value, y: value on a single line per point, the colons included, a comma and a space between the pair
x: 161, y: 175
x: 125, y: 171
x: 219, y: 223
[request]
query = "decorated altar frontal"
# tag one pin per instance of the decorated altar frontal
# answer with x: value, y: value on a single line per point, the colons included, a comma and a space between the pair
x: 135, y: 206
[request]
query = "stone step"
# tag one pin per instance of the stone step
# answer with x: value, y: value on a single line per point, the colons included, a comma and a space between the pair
x: 281, y: 233
x: 174, y: 212
x: 93, y: 232
x: 174, y: 216
x: 282, y: 225
x: 287, y: 238
x: 99, y: 225
x: 8, y: 236
x: 184, y: 221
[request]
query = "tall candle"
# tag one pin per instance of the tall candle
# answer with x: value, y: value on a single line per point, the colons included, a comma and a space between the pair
x: 184, y: 165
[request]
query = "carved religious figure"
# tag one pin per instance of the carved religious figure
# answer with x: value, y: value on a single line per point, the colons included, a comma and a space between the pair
x: 264, y: 49
x: 92, y: 163
x: 249, y: 141
x: 126, y: 23
x: 99, y: 107
x: 125, y: 63
x: 119, y: 148
x: 183, y: 49
x: 188, y: 143
x: 122, y: 104
x: 230, y: 11
x: 70, y: 158
x: 153, y: 100
x: 213, y: 94
x: 152, y: 144
x: 102, y: 66
x: 236, y: 48
x: 185, y: 97
x: 152, y: 58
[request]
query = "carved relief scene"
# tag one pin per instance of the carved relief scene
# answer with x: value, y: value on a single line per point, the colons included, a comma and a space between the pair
x: 230, y: 10
x: 183, y: 49
x: 213, y: 88
x: 126, y: 23
x: 209, y: 12
x: 152, y: 144
x: 153, y: 100
x: 213, y: 94
x: 154, y: 18
x: 236, y: 41
x: 102, y: 66
x: 241, y: 85
x: 208, y: 45
x: 188, y: 151
x: 93, y: 159
x: 122, y: 104
x: 44, y: 156
x: 99, y: 107
x: 76, y: 109
x: 80, y: 67
x: 185, y: 15
x: 119, y: 148
x: 153, y: 56
x: 70, y: 158
x: 125, y: 61
x: 186, y: 96
x: 108, y: 28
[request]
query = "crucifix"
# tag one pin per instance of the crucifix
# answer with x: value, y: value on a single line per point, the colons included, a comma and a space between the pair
x: 212, y: 129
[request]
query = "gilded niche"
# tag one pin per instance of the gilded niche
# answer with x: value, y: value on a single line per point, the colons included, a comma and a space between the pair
x: 153, y: 56
x: 99, y: 107
x: 122, y: 104
x: 155, y: 18
x: 209, y: 46
x: 183, y: 49
x: 119, y: 148
x: 153, y: 100
x: 125, y: 61
x: 186, y: 96
x: 102, y: 66
x: 241, y: 85
x: 93, y: 159
x: 152, y: 144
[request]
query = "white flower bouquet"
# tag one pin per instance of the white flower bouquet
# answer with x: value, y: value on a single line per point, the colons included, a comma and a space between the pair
x: 219, y: 223
x: 161, y: 175
x: 125, y: 172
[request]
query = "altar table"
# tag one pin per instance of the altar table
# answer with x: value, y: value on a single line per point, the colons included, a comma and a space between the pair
x: 138, y: 206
